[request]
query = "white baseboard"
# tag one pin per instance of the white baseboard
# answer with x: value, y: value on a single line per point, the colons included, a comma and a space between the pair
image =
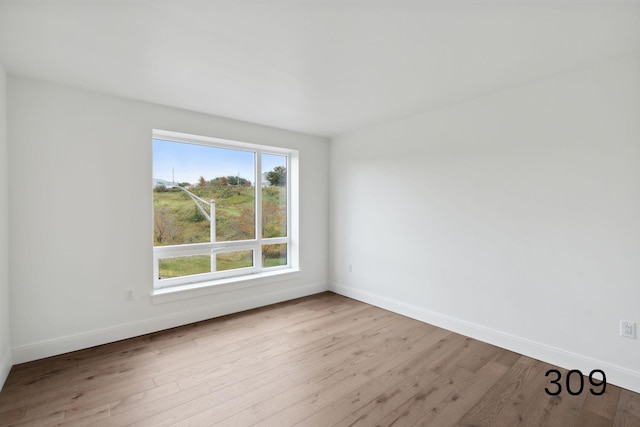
x: 6, y: 362
x: 60, y: 345
x: 616, y: 375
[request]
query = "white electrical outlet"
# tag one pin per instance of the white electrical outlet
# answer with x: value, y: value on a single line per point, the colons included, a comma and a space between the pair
x: 627, y: 329
x: 128, y: 294
x: 349, y: 268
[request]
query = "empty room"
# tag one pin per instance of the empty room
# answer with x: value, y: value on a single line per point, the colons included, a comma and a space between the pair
x: 319, y: 213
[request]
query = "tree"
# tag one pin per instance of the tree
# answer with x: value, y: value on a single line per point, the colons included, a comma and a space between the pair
x: 202, y: 182
x: 277, y: 177
x: 243, y: 182
x: 164, y: 225
x: 247, y: 223
x: 230, y: 180
x: 274, y: 220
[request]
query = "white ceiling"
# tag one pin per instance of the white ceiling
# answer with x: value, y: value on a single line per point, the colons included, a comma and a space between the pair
x: 320, y: 67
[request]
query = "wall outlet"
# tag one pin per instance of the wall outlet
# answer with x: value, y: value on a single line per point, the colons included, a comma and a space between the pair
x: 627, y: 329
x: 349, y: 268
x: 128, y: 294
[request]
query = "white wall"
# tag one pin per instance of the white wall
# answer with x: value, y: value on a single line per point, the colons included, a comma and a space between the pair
x: 81, y: 228
x: 514, y: 218
x: 5, y: 334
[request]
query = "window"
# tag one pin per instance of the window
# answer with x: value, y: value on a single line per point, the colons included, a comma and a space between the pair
x: 221, y: 209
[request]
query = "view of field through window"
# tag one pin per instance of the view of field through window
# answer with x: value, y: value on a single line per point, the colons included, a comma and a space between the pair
x: 191, y: 181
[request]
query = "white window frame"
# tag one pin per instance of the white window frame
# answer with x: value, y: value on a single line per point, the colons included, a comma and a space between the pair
x: 257, y: 270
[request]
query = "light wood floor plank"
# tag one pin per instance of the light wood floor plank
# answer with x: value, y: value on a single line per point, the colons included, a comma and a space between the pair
x: 291, y: 406
x: 509, y: 396
x: 323, y: 360
x: 464, y: 395
x: 390, y: 399
x: 303, y: 378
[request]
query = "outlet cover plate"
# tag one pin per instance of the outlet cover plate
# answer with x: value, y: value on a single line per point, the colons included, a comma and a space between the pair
x: 627, y: 329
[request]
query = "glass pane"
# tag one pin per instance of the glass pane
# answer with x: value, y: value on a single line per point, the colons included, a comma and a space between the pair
x: 198, y: 264
x: 274, y: 255
x: 184, y: 266
x: 233, y: 260
x: 274, y: 195
x: 187, y: 178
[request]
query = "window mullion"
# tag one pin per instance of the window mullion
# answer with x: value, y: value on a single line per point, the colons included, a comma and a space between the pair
x: 258, y: 211
x: 288, y: 210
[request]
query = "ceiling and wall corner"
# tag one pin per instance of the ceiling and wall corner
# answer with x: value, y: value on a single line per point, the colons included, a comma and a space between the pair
x: 318, y: 67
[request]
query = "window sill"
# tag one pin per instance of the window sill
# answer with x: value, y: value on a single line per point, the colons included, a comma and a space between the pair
x: 193, y: 290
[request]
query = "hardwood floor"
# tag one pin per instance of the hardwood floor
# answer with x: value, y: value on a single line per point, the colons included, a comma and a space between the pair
x: 318, y: 361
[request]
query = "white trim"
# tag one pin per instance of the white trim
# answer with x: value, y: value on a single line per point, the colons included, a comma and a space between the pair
x: 289, y: 207
x: 257, y: 217
x: 617, y: 375
x: 5, y: 366
x: 198, y: 289
x: 225, y: 143
x: 65, y: 344
x: 293, y: 201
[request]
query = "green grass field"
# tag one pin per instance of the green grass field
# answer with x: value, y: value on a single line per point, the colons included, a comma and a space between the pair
x: 177, y: 220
